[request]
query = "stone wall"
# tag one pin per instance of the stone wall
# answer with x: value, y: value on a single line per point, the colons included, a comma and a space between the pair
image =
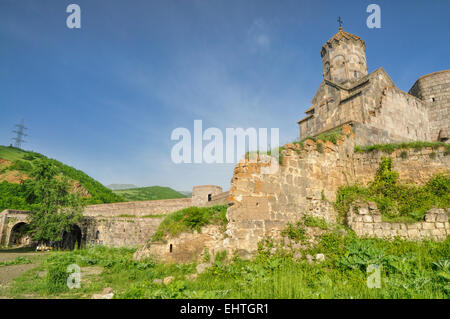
x: 8, y: 219
x: 402, y: 115
x: 202, y: 195
x: 365, y: 219
x: 434, y: 90
x: 375, y: 103
x: 141, y: 208
x: 118, y: 231
x: 185, y: 247
x: 123, y: 224
x: 308, y: 180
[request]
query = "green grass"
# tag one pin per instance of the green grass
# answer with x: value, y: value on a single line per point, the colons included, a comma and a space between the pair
x: 11, y: 153
x: 407, y: 270
x: 18, y: 261
x: 148, y: 193
x: 12, y: 196
x: 190, y: 219
x: 389, y: 148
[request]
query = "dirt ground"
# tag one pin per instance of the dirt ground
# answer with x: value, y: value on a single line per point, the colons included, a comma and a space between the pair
x: 8, y: 273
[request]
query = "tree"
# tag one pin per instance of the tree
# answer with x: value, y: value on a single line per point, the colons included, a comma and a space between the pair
x: 57, y: 208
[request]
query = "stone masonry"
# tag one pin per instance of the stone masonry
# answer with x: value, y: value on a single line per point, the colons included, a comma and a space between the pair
x: 348, y: 93
x: 307, y: 182
x: 365, y: 219
x: 121, y: 224
x: 369, y: 109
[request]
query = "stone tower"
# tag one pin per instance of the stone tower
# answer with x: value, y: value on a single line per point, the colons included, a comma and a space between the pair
x: 434, y: 90
x: 344, y: 58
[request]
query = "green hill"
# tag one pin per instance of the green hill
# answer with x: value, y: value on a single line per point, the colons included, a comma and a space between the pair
x: 15, y: 166
x: 148, y: 193
x: 116, y: 187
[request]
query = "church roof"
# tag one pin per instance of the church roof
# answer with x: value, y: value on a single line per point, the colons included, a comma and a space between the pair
x: 341, y: 34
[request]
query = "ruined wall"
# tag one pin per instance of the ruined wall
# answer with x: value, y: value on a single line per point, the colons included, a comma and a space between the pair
x: 306, y: 182
x: 118, y: 231
x: 365, y: 219
x: 186, y: 247
x: 141, y: 208
x: 434, y: 90
x: 202, y: 195
x: 8, y: 219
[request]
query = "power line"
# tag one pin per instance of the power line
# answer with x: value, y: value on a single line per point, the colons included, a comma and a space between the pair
x: 20, y: 134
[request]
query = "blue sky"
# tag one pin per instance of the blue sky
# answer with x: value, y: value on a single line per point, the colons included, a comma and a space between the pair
x: 105, y: 98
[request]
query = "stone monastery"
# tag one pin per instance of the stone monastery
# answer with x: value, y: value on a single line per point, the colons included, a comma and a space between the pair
x: 367, y: 108
x: 349, y: 94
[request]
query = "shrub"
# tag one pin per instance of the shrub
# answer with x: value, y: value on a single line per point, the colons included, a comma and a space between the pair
x: 190, y: 219
x: 406, y: 203
x: 296, y: 232
x: 56, y: 278
x: 23, y: 166
x: 312, y: 221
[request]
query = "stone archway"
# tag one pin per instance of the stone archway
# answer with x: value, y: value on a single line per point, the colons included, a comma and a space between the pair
x: 19, y: 236
x: 72, y: 238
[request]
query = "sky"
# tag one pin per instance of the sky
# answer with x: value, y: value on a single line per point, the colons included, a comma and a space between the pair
x: 105, y: 98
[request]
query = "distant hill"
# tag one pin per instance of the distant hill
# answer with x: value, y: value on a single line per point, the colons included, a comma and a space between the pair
x: 148, y: 193
x: 16, y: 165
x: 187, y: 193
x: 115, y: 187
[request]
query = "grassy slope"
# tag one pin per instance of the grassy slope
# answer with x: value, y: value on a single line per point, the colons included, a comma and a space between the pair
x: 148, y: 193
x: 98, y: 192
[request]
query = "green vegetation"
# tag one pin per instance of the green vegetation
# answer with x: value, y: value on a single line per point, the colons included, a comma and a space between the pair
x: 18, y: 261
x: 311, y: 221
x: 406, y: 203
x: 13, y: 196
x: 407, y: 269
x: 332, y: 136
x: 55, y: 208
x: 296, y: 231
x: 148, y: 193
x: 190, y: 219
x: 389, y: 148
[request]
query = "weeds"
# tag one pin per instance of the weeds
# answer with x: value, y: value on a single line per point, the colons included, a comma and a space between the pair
x: 190, y: 219
x: 397, y: 202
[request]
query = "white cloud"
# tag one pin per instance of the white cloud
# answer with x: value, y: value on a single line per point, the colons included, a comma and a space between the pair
x: 258, y: 34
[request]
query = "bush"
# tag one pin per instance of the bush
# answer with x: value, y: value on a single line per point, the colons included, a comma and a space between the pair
x: 296, y: 232
x: 190, y: 219
x: 56, y: 278
x: 406, y: 203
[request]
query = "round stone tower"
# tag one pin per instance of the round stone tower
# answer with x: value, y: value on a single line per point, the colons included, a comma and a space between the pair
x: 344, y: 58
x: 434, y: 90
x: 201, y: 195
